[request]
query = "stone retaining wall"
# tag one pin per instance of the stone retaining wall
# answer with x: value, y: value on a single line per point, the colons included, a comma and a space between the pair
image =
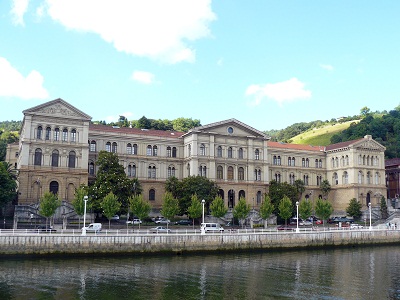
x: 45, y: 244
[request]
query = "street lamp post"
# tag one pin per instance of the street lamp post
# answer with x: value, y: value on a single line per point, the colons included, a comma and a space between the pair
x: 297, y: 215
x: 85, y: 199
x: 370, y: 215
x: 202, y: 224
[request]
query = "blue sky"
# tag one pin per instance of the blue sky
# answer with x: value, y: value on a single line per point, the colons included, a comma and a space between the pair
x: 266, y: 63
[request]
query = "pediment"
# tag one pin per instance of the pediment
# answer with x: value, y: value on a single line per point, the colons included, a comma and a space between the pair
x: 57, y: 108
x: 369, y: 145
x: 231, y: 127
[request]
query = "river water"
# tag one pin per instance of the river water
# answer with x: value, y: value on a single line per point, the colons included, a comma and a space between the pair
x: 351, y: 273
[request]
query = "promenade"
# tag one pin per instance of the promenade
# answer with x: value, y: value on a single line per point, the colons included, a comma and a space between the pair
x: 25, y: 242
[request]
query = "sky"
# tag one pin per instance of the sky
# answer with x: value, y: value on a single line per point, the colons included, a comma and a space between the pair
x: 266, y: 63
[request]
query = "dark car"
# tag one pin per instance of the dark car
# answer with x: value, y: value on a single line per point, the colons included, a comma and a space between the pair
x: 184, y: 222
x: 41, y: 228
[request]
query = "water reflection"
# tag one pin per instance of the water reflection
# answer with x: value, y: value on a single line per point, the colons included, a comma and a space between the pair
x: 365, y: 273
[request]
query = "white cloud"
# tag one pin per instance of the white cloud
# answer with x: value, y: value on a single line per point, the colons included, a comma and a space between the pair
x: 110, y: 119
x: 143, y: 77
x: 281, y: 92
x: 326, y: 67
x: 160, y: 30
x: 18, y: 10
x: 14, y: 84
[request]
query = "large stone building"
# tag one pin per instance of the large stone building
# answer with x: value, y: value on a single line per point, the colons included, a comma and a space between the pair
x: 58, y: 149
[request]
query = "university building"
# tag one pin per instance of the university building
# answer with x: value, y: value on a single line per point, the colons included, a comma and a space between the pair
x: 59, y: 145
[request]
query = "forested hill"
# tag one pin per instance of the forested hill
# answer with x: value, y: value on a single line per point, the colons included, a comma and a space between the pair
x: 383, y: 126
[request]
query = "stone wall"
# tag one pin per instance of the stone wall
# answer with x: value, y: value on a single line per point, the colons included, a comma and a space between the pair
x: 68, y: 244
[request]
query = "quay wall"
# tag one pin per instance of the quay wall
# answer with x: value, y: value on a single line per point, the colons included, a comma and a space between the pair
x: 53, y: 244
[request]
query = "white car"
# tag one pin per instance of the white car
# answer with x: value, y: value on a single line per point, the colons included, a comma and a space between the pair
x: 134, y: 222
x: 162, y: 221
x: 160, y: 229
x: 356, y: 226
x: 115, y: 218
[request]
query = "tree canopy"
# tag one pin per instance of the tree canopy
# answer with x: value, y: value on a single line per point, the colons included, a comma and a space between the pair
x: 183, y: 190
x: 48, y: 204
x: 110, y: 206
x: 218, y: 208
x: 8, y: 185
x: 285, y: 208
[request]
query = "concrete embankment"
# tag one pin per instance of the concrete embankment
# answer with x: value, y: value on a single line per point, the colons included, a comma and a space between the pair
x: 64, y: 244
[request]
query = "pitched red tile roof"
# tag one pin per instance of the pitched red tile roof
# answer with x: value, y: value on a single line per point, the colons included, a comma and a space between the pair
x: 342, y: 144
x: 295, y: 146
x: 136, y: 131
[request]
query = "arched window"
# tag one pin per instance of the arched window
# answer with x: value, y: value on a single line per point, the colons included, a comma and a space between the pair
x: 93, y: 146
x: 57, y: 134
x: 53, y: 187
x: 108, y: 147
x: 169, y: 151
x: 202, y: 150
x: 91, y: 168
x: 114, y: 147
x: 257, y: 154
x: 71, y: 159
x: 73, y: 135
x: 377, y: 178
x: 39, y: 133
x: 259, y: 197
x: 240, y: 153
x: 242, y: 194
x: 278, y: 160
x: 257, y: 175
x: 149, y: 150
x: 335, y: 179
x: 289, y: 161
x: 129, y: 148
x: 291, y: 178
x: 65, y: 135
x: 220, y: 172
x: 152, y: 172
x: 316, y: 163
x: 48, y: 133
x: 171, y: 171
x: 360, y: 177
x: 320, y: 163
x: 152, y: 194
x: 319, y: 180
x: 333, y: 162
x: 230, y: 152
x: 219, y: 151
x: 345, y: 177
x: 131, y: 170
x: 274, y: 160
x: 203, y: 171
x: 230, y: 173
x: 155, y: 150
x: 305, y: 179
x: 303, y: 162
x: 54, y: 158
x: 134, y: 149
x: 368, y: 177
x: 38, y: 157
x: 278, y: 177
x: 241, y: 173
x: 307, y: 163
x: 293, y: 162
x: 173, y: 151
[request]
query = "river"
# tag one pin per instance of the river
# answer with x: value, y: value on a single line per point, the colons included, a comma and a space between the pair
x: 350, y: 273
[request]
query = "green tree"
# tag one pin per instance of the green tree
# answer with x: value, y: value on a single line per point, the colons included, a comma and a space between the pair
x: 170, y: 206
x: 323, y: 209
x: 110, y: 177
x: 8, y: 186
x: 278, y: 190
x: 384, y: 208
x: 305, y: 209
x: 139, y: 207
x: 110, y: 206
x: 192, y: 185
x: 354, y: 208
x: 79, y: 203
x: 285, y: 208
x: 266, y: 208
x: 300, y: 187
x: 195, y: 209
x: 325, y: 188
x: 241, y: 210
x: 48, y: 205
x: 218, y: 208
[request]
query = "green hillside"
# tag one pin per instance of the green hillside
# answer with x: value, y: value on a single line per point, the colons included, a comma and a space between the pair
x: 320, y: 136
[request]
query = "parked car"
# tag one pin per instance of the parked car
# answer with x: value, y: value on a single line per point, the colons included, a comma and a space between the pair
x: 184, y: 222
x: 286, y: 227
x: 305, y: 223
x: 162, y: 221
x: 93, y: 227
x: 115, y: 218
x: 356, y: 226
x: 160, y: 229
x: 134, y: 221
x: 42, y: 228
x: 319, y: 222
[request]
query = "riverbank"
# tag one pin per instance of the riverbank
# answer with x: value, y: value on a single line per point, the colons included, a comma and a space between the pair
x: 91, y: 244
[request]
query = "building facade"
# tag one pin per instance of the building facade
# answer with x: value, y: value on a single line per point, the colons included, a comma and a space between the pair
x: 59, y: 146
